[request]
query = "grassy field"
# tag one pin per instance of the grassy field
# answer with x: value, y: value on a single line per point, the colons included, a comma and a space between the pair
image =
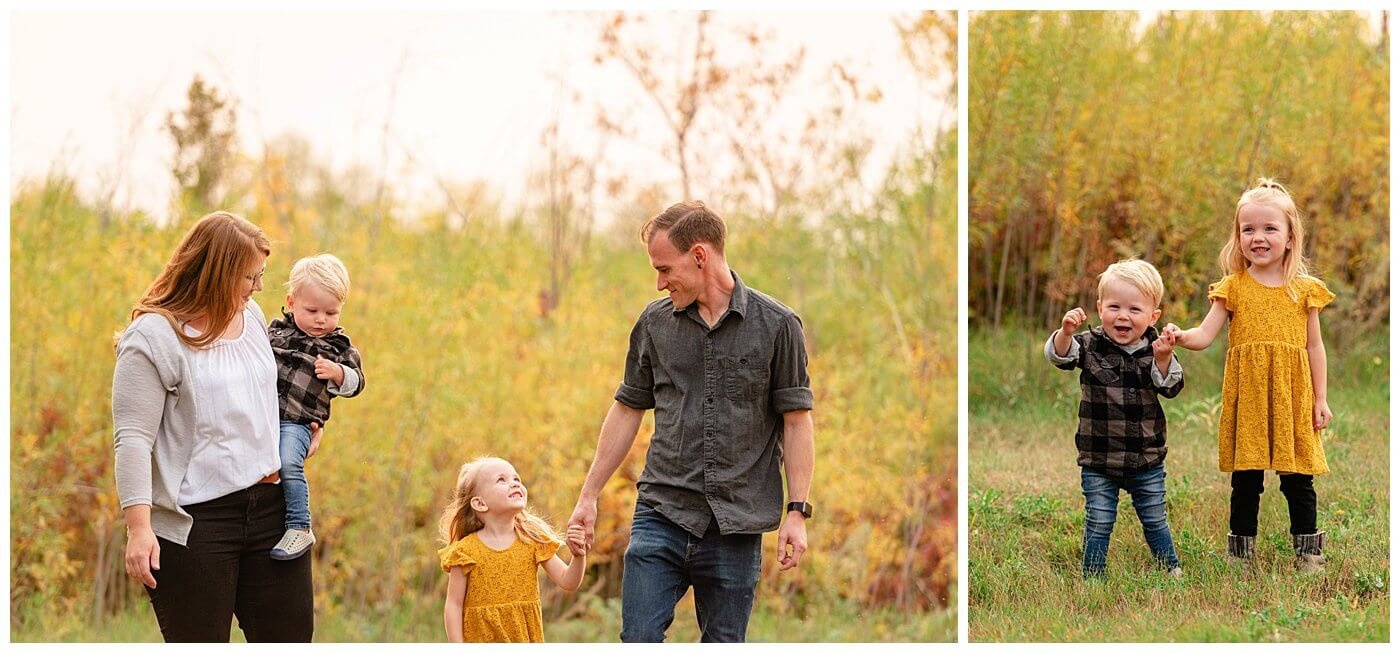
x: 1026, y: 514
x: 420, y: 620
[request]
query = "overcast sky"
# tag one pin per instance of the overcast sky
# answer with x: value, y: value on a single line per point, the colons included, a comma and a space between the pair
x: 474, y: 92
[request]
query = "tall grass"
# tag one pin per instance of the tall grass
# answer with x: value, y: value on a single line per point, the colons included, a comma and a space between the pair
x: 1026, y: 513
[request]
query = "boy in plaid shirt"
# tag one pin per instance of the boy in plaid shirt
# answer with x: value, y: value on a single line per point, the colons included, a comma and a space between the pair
x: 1122, y: 436
x: 315, y: 362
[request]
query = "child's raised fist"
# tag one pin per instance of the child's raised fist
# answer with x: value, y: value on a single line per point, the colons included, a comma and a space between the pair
x: 1074, y: 319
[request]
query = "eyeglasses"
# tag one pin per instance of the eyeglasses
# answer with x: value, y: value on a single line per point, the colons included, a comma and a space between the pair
x: 254, y: 277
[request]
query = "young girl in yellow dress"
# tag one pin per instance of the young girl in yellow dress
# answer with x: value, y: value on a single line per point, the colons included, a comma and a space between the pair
x: 494, y: 546
x: 1275, y: 388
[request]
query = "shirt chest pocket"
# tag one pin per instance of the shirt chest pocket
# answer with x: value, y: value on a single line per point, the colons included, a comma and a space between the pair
x: 745, y: 377
x: 1106, y: 368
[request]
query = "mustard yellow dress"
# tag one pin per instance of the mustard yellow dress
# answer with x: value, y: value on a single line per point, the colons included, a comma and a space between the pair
x: 1266, y: 419
x: 503, y: 592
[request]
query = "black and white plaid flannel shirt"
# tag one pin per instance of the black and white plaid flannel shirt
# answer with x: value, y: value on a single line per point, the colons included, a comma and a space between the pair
x: 1122, y: 428
x: 303, y: 398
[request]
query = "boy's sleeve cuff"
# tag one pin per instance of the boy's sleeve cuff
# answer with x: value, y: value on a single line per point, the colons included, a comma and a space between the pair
x: 351, y: 384
x: 1173, y: 377
x: 1069, y: 357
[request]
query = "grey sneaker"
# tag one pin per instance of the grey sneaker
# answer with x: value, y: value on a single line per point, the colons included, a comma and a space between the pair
x: 294, y: 545
x: 1174, y: 572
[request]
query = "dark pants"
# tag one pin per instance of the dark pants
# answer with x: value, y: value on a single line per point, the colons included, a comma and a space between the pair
x: 1148, y: 488
x: 663, y: 560
x: 1245, y: 488
x: 224, y: 570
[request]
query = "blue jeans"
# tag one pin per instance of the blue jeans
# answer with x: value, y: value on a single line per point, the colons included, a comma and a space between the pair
x: 663, y: 559
x: 1148, y: 488
x: 295, y: 441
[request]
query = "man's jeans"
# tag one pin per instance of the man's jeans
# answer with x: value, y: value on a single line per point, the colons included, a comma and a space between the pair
x: 663, y: 560
x: 1148, y: 488
x: 294, y: 443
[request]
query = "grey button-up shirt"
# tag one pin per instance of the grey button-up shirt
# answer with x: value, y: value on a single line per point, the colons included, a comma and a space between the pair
x: 719, y: 395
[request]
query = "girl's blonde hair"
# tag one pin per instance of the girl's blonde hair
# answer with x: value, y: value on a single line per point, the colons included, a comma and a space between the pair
x: 324, y: 270
x: 202, y: 276
x: 460, y: 520
x: 1271, y: 193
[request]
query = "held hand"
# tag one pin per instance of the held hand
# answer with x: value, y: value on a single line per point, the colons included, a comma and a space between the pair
x: 585, y: 515
x: 578, y: 544
x: 142, y: 555
x: 1322, y: 415
x: 1163, y: 346
x: 792, y: 535
x: 329, y: 370
x: 1171, y: 331
x: 1073, y: 320
x: 315, y: 440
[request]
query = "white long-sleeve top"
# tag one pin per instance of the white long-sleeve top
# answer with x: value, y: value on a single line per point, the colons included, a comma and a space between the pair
x: 192, y: 425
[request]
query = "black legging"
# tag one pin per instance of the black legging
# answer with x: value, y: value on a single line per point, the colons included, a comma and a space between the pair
x: 1245, y: 488
x: 224, y: 570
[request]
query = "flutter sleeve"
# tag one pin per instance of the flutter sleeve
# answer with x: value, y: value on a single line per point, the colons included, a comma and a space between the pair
x: 1317, y: 295
x: 455, y: 555
x: 545, y: 551
x: 1223, y: 289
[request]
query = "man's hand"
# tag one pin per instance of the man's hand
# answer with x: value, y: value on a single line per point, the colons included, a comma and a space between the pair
x: 577, y: 540
x: 1322, y: 415
x: 584, y: 517
x: 328, y: 370
x: 1073, y: 320
x: 792, y: 541
x: 315, y: 440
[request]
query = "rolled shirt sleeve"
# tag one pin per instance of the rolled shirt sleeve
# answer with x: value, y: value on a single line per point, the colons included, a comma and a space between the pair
x: 635, y: 391
x: 350, y: 387
x: 790, y: 388
x: 1070, y: 356
x: 1173, y: 377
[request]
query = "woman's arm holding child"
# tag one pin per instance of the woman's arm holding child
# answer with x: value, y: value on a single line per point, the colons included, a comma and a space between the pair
x: 1200, y: 337
x: 1317, y: 360
x: 569, y: 577
x: 452, y: 609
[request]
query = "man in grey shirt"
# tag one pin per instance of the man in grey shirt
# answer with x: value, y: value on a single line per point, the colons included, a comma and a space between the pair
x: 725, y: 368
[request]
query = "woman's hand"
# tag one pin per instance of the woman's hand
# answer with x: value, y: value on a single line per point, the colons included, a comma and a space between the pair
x: 315, y: 440
x: 142, y: 555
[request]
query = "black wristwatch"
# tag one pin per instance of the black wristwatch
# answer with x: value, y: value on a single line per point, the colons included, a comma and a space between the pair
x: 802, y: 507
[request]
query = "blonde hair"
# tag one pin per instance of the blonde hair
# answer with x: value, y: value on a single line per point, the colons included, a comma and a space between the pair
x: 1268, y: 192
x: 201, y: 279
x: 460, y: 520
x: 324, y: 270
x: 1137, y: 273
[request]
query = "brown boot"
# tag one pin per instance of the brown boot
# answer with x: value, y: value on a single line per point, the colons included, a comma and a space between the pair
x: 1309, y: 550
x: 1240, y: 549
